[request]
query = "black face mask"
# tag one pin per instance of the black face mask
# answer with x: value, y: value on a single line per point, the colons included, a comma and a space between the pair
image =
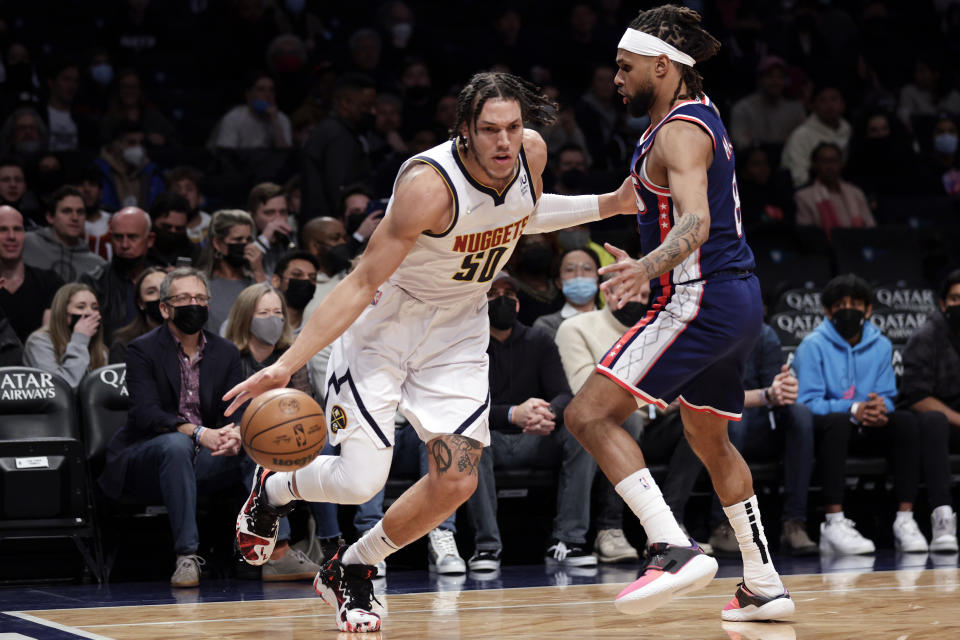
x: 630, y: 314
x: 952, y: 314
x: 173, y: 244
x: 190, y: 318
x: 74, y: 319
x: 152, y: 309
x: 337, y: 258
x: 502, y: 312
x: 234, y: 256
x: 848, y: 322
x: 299, y: 293
x: 126, y: 265
x: 537, y: 260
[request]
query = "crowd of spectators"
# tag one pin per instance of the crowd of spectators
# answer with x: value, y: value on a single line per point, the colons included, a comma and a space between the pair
x: 256, y: 141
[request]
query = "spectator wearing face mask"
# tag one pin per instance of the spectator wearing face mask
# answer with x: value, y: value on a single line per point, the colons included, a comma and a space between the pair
x: 532, y: 269
x: 72, y: 343
x: 845, y: 377
x: 267, y: 204
x: 882, y: 160
x: 256, y: 124
x: 931, y: 389
x: 938, y: 171
x: 258, y: 327
x: 231, y: 261
x: 113, y: 282
x: 326, y: 239
x: 129, y: 177
x: 146, y: 297
x: 578, y: 282
x: 171, y: 244
x: 186, y: 181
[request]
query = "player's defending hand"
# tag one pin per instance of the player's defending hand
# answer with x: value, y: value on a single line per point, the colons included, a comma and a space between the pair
x: 272, y: 377
x: 628, y: 277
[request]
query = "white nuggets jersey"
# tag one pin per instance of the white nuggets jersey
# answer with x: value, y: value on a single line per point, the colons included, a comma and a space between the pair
x: 458, y: 264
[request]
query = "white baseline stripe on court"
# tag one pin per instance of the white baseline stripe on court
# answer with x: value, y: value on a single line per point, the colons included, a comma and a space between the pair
x: 479, y: 608
x: 56, y: 625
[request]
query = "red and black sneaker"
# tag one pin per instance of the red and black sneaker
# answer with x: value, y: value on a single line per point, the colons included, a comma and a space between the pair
x: 747, y: 606
x: 669, y: 571
x: 257, y: 521
x: 349, y: 589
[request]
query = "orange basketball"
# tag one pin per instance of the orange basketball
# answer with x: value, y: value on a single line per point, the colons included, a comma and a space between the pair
x: 283, y: 429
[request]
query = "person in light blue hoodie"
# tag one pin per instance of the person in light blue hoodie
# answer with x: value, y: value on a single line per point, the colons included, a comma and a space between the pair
x: 845, y: 377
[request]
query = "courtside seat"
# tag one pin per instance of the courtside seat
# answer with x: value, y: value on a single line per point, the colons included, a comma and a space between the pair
x: 44, y: 482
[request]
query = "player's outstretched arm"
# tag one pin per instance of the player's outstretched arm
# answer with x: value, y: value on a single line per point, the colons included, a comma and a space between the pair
x: 421, y: 203
x: 686, y: 151
x: 555, y: 211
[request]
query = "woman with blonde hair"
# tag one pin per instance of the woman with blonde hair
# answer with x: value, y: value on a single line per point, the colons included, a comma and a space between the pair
x: 72, y: 343
x: 231, y: 261
x: 258, y: 327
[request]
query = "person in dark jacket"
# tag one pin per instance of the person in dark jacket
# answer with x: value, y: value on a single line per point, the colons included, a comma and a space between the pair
x: 335, y: 153
x: 931, y: 388
x: 528, y: 393
x: 146, y: 297
x: 176, y: 442
x: 131, y: 237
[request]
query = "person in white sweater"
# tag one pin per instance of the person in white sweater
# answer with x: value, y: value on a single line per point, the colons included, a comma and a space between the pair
x: 72, y: 343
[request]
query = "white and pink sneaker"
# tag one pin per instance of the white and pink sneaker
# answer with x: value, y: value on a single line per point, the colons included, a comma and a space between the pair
x: 669, y: 571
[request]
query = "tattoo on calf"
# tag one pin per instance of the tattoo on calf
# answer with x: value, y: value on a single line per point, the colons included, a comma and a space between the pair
x: 466, y: 451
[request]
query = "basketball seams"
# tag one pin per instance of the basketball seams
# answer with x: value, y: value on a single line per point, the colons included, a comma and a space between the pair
x: 290, y: 417
x: 272, y: 393
x: 277, y: 426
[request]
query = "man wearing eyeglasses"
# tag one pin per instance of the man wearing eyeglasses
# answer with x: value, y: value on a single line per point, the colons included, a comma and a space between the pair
x: 176, y: 442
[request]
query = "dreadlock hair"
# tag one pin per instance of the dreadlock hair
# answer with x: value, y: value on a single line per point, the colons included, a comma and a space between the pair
x: 680, y: 27
x: 535, y: 107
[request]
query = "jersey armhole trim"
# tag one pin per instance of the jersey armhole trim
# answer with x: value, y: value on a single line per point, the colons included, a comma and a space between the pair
x: 526, y: 167
x: 697, y: 121
x: 453, y: 192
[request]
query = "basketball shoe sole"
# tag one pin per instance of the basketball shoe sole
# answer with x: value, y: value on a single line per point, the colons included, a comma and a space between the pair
x: 746, y: 606
x: 670, y: 571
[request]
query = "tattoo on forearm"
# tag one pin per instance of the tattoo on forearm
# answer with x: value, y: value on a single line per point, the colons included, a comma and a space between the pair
x: 682, y: 240
x: 466, y: 451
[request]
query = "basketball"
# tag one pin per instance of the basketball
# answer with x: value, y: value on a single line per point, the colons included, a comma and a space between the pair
x: 283, y: 429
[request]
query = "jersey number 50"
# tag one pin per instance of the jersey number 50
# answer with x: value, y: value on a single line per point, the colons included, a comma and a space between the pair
x: 472, y: 262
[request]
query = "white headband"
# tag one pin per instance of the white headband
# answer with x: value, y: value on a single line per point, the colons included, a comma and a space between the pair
x: 645, y: 44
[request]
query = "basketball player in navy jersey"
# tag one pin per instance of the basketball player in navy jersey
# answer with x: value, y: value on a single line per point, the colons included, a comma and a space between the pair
x: 706, y: 313
x: 410, y: 328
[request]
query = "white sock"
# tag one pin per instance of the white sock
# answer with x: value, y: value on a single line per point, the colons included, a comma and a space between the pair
x: 758, y: 572
x: 834, y: 517
x: 279, y: 488
x: 642, y: 495
x: 371, y: 548
x: 904, y: 515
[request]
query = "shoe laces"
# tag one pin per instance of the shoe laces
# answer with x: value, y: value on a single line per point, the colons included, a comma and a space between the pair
x: 443, y: 542
x: 191, y: 558
x: 560, y: 551
x: 909, y: 527
x: 847, y: 526
x: 358, y: 587
x: 616, y: 535
x: 656, y: 557
x: 945, y: 521
x: 299, y: 556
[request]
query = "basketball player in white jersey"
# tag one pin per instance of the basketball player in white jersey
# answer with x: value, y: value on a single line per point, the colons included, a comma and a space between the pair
x: 411, y: 330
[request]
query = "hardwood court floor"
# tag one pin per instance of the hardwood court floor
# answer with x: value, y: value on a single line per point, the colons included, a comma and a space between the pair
x: 900, y: 605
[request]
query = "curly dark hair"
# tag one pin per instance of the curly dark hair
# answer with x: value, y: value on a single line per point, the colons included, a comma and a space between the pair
x: 680, y: 27
x: 535, y: 107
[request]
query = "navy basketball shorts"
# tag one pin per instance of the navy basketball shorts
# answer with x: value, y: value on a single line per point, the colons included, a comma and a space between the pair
x: 692, y: 344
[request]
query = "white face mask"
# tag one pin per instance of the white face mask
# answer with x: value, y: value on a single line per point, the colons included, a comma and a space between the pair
x: 134, y: 155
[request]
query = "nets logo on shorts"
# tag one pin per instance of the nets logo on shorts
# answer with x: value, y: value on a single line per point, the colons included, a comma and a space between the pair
x: 338, y: 418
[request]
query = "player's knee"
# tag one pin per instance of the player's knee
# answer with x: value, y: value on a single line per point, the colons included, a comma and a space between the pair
x: 575, y: 416
x: 455, y: 487
x: 361, y: 488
